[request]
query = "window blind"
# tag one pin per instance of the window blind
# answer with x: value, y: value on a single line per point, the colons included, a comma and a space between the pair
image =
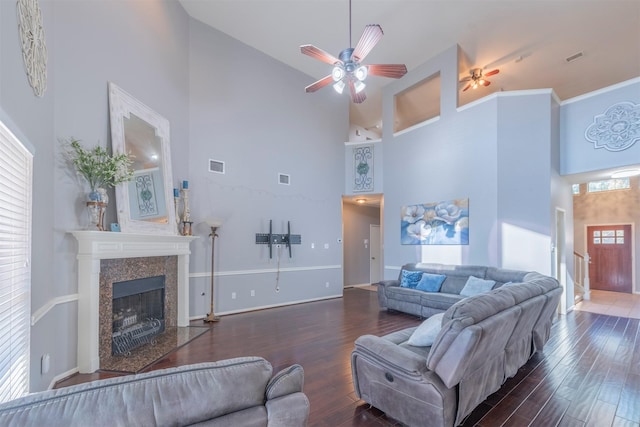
x: 16, y: 164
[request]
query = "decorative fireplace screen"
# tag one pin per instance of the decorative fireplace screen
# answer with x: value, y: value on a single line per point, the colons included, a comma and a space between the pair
x: 138, y: 313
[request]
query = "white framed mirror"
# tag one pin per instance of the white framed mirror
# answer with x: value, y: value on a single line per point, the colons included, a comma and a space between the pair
x: 144, y: 204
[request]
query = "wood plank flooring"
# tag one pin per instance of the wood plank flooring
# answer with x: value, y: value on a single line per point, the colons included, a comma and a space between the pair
x: 587, y: 375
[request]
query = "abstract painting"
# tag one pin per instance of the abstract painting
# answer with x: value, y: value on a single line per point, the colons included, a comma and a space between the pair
x: 440, y: 223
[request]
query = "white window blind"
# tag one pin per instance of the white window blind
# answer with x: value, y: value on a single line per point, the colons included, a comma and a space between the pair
x: 15, y: 272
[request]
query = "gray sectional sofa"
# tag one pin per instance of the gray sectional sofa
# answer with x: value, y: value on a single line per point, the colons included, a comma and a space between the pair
x: 233, y: 392
x: 425, y: 304
x: 480, y: 342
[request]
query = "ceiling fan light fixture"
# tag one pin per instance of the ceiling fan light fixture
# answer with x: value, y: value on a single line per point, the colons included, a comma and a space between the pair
x: 361, y: 72
x: 339, y: 86
x: 337, y: 73
x: 359, y: 86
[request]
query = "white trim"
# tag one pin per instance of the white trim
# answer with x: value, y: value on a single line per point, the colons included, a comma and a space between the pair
x: 600, y: 91
x: 62, y: 376
x: 262, y: 307
x: 371, y: 141
x: 393, y: 267
x: 265, y: 271
x: 47, y: 306
x: 417, y: 126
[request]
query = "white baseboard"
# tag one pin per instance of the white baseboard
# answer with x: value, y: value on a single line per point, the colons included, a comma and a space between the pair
x: 244, y: 310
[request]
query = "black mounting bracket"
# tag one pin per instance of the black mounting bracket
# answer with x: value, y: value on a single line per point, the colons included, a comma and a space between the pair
x: 278, y: 239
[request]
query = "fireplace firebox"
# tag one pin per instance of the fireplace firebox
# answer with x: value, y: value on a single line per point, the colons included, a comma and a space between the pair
x: 138, y: 313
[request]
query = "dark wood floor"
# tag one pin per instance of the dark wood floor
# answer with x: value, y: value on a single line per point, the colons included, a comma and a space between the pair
x: 588, y: 374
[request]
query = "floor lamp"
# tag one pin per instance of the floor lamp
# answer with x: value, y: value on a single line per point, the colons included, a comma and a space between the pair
x: 214, y: 224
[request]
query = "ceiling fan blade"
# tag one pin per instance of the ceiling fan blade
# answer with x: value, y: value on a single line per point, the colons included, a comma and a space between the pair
x: 486, y: 83
x: 319, y: 84
x: 491, y: 73
x: 370, y: 37
x: 466, y: 79
x: 466, y: 87
x: 319, y: 54
x: 357, y: 98
x: 394, y: 71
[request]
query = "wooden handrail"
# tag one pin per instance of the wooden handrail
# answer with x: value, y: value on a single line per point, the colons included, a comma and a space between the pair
x: 578, y: 255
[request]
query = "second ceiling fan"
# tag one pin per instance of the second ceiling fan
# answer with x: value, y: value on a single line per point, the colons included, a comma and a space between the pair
x: 348, y: 70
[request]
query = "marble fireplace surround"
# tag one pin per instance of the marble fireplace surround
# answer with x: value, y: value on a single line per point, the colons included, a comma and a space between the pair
x: 95, y: 246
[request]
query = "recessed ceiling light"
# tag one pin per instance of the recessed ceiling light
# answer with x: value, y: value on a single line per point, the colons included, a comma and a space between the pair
x: 361, y: 201
x: 625, y: 173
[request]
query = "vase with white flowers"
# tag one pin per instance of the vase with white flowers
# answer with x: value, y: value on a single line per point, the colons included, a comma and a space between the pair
x: 101, y: 170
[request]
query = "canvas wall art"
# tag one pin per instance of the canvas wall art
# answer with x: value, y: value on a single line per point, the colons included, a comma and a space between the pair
x: 440, y: 223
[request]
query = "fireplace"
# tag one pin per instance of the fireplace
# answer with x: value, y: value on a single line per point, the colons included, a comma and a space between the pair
x: 138, y: 313
x: 105, y: 258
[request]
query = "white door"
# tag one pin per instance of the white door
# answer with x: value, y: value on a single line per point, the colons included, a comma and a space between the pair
x: 374, y: 254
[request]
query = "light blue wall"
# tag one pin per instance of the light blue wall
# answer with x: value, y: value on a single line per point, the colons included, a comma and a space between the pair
x: 257, y: 118
x: 579, y: 154
x: 502, y: 152
x: 251, y: 112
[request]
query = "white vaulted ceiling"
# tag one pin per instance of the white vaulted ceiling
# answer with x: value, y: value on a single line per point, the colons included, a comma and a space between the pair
x: 528, y: 40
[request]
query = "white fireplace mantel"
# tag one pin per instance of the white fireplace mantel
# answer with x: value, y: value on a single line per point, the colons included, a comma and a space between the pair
x: 94, y: 246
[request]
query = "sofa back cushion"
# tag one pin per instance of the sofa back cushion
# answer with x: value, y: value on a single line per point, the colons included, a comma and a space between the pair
x: 457, y: 275
x: 175, y: 396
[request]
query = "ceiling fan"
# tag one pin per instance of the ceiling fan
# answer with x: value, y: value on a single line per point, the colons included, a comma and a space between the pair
x: 478, y: 78
x: 348, y: 69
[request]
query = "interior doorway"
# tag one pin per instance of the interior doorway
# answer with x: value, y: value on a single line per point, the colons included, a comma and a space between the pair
x: 610, y: 251
x: 362, y: 240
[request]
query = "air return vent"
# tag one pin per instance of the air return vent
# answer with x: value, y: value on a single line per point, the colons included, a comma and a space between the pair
x: 216, y: 166
x: 284, y: 179
x: 573, y: 57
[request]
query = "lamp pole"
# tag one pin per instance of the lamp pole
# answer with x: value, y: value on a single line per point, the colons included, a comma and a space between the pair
x: 211, y: 317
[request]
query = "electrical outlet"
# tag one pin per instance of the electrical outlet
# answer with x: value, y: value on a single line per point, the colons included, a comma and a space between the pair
x: 233, y: 295
x: 326, y: 285
x: 313, y: 246
x: 253, y: 293
x: 326, y: 246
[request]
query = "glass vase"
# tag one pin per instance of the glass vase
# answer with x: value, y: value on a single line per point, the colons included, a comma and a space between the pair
x: 97, y: 201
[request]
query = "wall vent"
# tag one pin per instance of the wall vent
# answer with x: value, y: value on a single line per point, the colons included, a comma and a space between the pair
x: 216, y: 166
x: 284, y: 179
x: 574, y: 57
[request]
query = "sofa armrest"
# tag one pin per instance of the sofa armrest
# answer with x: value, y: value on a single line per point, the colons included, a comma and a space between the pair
x: 398, y: 382
x: 287, y: 381
x: 382, y: 291
x: 291, y: 410
x: 391, y: 355
x: 385, y: 283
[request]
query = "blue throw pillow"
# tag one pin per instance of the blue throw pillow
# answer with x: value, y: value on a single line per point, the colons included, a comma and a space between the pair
x: 410, y: 279
x: 475, y: 286
x: 431, y: 282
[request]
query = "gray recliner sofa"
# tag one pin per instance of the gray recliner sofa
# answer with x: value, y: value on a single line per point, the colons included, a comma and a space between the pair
x: 483, y: 340
x: 425, y: 304
x: 233, y: 392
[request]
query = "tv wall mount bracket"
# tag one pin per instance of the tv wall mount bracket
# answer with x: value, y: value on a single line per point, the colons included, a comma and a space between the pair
x: 272, y: 239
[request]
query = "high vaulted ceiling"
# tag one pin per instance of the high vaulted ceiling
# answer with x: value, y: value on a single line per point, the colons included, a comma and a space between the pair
x: 528, y: 40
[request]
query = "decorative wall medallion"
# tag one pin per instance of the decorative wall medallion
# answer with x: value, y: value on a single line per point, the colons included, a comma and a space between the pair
x: 617, y: 129
x: 34, y: 49
x: 363, y: 168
